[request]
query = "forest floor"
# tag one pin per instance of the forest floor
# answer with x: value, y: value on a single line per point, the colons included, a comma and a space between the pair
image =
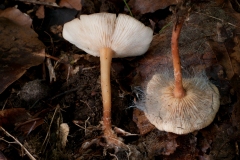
x: 51, y: 103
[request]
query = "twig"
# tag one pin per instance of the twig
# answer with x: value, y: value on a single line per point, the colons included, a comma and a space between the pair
x: 113, y: 155
x: 30, y: 130
x: 71, y: 90
x: 85, y: 125
x: 52, y: 75
x: 52, y: 44
x: 4, y: 104
x: 48, y: 132
x: 68, y: 73
x: 2, y: 139
x: 88, y: 68
x: 27, y: 152
x: 52, y: 57
x: 59, y: 60
x: 86, y: 105
x: 79, y: 126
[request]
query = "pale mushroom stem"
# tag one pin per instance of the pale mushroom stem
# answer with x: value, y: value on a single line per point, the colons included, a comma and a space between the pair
x: 179, y: 91
x: 105, y: 62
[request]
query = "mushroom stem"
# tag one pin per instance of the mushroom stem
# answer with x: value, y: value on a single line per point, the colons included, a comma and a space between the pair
x: 179, y: 91
x: 105, y: 62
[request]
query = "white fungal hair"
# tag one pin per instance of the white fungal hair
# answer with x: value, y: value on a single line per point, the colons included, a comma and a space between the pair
x: 194, y: 111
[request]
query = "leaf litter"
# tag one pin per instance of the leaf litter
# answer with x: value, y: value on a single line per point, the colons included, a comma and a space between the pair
x: 209, y: 42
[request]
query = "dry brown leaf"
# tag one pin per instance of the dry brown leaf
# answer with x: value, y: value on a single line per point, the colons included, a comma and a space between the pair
x: 159, y: 143
x: 223, y: 57
x: 144, y: 6
x: 155, y: 57
x: 28, y: 126
x: 235, y: 82
x: 236, y: 114
x: 209, y: 59
x: 74, y: 4
x: 201, y: 26
x: 216, y: 72
x: 227, y: 54
x: 16, y: 16
x: 40, y: 13
x: 222, y: 146
x: 236, y: 53
x: 235, y: 56
x: 186, y: 149
x: 9, y: 117
x: 20, y: 49
x: 32, y: 122
x: 2, y: 157
x: 142, y: 122
x: 204, y: 144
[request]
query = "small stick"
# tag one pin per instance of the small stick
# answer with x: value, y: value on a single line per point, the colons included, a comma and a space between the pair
x: 52, y: 57
x: 52, y: 75
x: 179, y: 91
x: 86, y: 105
x: 22, y: 146
x: 48, y: 132
x: 5, y: 104
x: 65, y: 92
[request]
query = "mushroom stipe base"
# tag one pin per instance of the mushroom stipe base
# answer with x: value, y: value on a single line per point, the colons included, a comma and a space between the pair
x: 194, y: 111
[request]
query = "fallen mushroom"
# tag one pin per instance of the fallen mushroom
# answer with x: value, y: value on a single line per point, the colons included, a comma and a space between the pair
x: 180, y: 105
x: 108, y: 36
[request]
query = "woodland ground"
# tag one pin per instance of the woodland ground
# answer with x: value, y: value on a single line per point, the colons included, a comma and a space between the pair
x: 34, y: 106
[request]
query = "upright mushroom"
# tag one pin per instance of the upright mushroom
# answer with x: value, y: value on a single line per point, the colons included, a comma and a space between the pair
x: 180, y: 105
x: 108, y: 36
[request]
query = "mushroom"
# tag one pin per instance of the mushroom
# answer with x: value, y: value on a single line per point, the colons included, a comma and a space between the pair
x: 180, y: 105
x: 108, y: 36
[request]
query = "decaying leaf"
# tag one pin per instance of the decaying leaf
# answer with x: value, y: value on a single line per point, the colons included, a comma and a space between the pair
x: 144, y: 6
x: 160, y: 143
x: 223, y: 57
x: 194, y: 43
x: 16, y: 16
x: 19, y: 50
x: 76, y: 4
x: 20, y: 119
x: 2, y: 157
x: 142, y: 122
x: 40, y: 13
x: 9, y: 117
x: 28, y: 126
x: 236, y: 115
x: 235, y: 56
x: 209, y: 39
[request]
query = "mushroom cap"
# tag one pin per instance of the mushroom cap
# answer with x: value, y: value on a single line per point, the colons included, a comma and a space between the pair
x: 181, y: 115
x: 125, y: 35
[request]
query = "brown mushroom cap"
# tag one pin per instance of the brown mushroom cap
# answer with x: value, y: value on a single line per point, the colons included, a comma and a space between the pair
x: 181, y: 115
x: 125, y: 35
